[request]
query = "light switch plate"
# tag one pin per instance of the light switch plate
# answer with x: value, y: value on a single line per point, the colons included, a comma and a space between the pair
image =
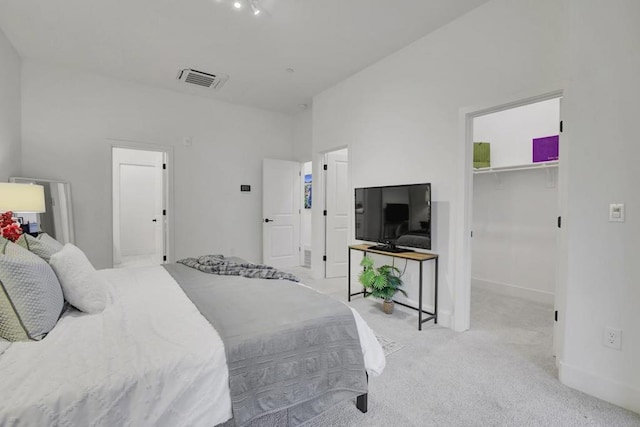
x: 616, y: 212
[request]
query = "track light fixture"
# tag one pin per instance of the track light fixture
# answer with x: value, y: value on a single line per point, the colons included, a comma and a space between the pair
x: 255, y: 7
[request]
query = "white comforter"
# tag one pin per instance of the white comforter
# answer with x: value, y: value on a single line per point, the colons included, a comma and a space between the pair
x: 149, y: 359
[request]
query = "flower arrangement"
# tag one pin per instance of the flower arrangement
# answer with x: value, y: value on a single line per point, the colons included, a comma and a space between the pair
x: 11, y: 230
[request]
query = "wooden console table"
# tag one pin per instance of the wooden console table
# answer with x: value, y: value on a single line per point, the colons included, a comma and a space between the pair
x: 412, y: 256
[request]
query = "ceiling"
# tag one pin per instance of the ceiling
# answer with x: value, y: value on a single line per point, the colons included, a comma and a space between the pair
x: 149, y: 41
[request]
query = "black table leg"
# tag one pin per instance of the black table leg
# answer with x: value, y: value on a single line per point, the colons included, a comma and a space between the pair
x: 435, y: 303
x: 349, y: 275
x: 420, y: 300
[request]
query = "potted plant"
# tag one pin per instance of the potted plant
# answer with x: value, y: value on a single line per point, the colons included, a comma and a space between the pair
x: 382, y: 282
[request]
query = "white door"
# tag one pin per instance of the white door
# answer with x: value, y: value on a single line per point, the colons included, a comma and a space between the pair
x: 280, y: 213
x: 138, y: 201
x: 338, y: 207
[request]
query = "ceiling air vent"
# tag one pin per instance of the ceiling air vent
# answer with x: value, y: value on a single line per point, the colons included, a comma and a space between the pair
x: 195, y: 77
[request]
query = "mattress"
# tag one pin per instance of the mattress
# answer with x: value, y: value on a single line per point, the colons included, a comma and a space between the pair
x: 149, y: 359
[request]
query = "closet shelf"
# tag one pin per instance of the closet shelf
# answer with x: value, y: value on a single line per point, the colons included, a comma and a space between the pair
x: 541, y: 165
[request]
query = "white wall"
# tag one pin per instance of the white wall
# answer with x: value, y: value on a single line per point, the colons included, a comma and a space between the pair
x: 603, y: 275
x: 399, y: 117
x: 514, y: 245
x: 302, y: 135
x: 70, y: 116
x: 511, y: 131
x: 10, y: 148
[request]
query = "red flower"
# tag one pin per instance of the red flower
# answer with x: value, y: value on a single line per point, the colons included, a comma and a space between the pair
x: 11, y: 230
x: 6, y: 219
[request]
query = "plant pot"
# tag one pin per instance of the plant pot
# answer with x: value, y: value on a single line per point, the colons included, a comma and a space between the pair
x: 387, y: 307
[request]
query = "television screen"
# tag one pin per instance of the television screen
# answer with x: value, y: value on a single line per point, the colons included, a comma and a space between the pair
x: 395, y: 215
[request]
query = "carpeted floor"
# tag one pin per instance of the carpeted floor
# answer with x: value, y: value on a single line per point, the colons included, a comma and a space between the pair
x: 389, y: 346
x: 499, y: 373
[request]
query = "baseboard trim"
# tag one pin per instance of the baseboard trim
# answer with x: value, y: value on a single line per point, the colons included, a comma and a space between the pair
x: 614, y: 392
x: 514, y: 291
x: 444, y: 319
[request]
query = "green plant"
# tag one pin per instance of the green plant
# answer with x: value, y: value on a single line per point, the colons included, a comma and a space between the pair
x: 382, y: 282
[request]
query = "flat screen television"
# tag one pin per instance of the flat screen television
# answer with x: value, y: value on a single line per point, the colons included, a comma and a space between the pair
x: 396, y: 215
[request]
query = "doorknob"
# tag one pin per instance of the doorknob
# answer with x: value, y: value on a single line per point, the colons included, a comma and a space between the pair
x: 268, y: 220
x: 154, y: 220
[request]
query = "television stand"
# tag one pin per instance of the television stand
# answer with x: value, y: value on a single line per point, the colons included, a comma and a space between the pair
x: 423, y: 315
x: 390, y: 248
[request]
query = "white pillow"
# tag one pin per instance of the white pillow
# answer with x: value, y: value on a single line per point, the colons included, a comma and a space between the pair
x: 81, y: 285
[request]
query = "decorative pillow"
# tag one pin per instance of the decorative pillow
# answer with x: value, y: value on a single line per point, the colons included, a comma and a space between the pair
x: 31, y: 299
x: 83, y: 288
x: 44, y: 245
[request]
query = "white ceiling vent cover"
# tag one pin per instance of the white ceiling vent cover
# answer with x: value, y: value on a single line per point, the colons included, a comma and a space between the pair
x: 195, y: 77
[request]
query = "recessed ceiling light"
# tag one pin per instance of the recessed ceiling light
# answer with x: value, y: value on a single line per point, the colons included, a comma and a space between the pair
x: 237, y: 4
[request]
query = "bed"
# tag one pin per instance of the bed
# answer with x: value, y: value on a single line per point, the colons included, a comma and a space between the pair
x: 154, y: 356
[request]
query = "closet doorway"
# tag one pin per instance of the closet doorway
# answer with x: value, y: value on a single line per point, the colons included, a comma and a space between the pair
x: 514, y: 217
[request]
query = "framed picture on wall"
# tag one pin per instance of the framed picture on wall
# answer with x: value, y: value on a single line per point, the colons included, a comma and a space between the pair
x: 307, y: 191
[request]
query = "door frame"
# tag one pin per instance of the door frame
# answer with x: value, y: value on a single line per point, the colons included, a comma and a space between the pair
x: 463, y: 218
x: 169, y: 235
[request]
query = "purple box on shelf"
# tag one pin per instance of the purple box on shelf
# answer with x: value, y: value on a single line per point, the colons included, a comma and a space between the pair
x: 545, y: 149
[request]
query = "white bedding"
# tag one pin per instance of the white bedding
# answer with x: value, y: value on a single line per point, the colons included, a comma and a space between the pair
x: 149, y: 359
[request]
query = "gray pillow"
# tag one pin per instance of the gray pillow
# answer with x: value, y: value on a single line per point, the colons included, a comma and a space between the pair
x: 31, y: 299
x: 44, y: 245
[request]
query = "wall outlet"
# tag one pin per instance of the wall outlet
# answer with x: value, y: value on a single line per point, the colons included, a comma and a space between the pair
x: 612, y: 338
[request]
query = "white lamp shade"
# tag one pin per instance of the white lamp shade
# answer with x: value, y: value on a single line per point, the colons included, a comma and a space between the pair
x: 21, y: 197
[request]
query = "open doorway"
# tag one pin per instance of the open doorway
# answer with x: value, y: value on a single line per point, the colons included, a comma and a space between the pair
x: 514, y: 211
x: 305, y: 219
x: 139, y: 209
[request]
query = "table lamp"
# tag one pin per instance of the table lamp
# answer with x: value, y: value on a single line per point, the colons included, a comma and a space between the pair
x: 28, y: 198
x: 22, y: 198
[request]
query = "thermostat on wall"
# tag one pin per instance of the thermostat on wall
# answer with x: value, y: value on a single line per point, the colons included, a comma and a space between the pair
x: 245, y: 188
x: 616, y: 212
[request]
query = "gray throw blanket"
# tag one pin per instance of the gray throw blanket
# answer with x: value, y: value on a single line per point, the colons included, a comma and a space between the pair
x: 288, y: 347
x: 218, y: 264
